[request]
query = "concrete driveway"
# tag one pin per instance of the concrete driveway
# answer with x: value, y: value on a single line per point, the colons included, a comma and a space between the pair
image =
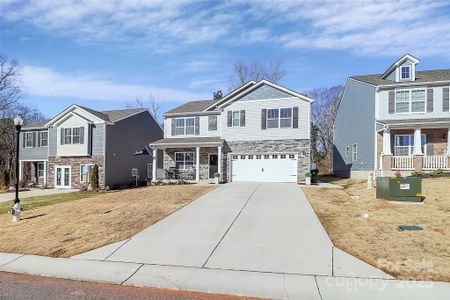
x: 265, y: 227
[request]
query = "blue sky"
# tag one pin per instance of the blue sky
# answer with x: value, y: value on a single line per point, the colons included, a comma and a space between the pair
x: 103, y: 54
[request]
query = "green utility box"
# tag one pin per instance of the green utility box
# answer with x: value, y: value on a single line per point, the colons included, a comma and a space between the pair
x: 400, y: 188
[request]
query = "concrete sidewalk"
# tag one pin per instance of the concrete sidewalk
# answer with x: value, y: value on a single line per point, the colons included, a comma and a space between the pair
x: 4, y: 197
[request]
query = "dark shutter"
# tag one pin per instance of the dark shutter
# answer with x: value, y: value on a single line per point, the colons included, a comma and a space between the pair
x: 445, y: 99
x: 242, y: 124
x: 212, y: 123
x: 263, y: 119
x: 62, y: 137
x: 82, y: 135
x: 34, y: 139
x: 430, y: 100
x: 23, y: 138
x: 229, y: 118
x: 173, y: 120
x: 197, y: 125
x: 39, y: 139
x: 391, y: 102
x: 295, y: 117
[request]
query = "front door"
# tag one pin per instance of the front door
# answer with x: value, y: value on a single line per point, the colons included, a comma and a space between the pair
x: 62, y: 176
x: 213, y: 165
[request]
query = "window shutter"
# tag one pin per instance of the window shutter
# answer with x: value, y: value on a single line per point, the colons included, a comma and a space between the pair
x: 82, y: 135
x: 430, y: 100
x: 34, y: 139
x: 62, y: 137
x: 229, y: 118
x: 39, y: 139
x: 263, y: 119
x: 173, y: 121
x: 242, y: 118
x: 197, y: 125
x: 391, y: 102
x: 445, y: 99
x: 295, y: 117
x: 23, y: 138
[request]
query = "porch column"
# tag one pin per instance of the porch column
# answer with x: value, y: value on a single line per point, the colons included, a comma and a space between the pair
x: 197, y: 162
x: 448, y: 141
x: 219, y: 162
x: 155, y: 153
x: 45, y: 172
x: 20, y: 170
x: 417, y: 142
x: 387, y: 142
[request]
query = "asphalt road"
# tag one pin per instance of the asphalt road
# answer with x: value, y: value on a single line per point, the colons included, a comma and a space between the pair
x: 18, y: 286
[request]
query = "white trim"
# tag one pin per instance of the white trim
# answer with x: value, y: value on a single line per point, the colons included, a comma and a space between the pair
x: 410, y: 112
x: 231, y: 94
x: 279, y: 118
x: 409, y: 72
x: 232, y: 118
x: 40, y: 140
x: 209, y: 155
x: 37, y: 169
x: 87, y: 164
x: 194, y: 162
x: 69, y: 109
x: 398, y: 63
x: 410, y: 147
x: 70, y: 177
x: 184, y: 126
x: 25, y: 134
x: 356, y: 152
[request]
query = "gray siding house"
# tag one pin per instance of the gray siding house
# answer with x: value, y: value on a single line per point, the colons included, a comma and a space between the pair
x: 395, y: 121
x: 61, y: 152
x: 258, y: 132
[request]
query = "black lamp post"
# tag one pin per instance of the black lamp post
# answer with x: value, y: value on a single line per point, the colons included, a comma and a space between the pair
x: 18, y: 122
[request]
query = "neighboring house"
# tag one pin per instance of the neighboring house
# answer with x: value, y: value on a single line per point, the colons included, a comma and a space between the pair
x: 398, y: 120
x: 258, y: 132
x: 63, y: 151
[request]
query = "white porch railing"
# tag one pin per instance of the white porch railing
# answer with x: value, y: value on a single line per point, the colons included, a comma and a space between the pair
x: 435, y: 163
x: 402, y: 163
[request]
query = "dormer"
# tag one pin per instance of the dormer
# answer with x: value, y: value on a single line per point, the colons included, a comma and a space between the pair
x: 402, y: 70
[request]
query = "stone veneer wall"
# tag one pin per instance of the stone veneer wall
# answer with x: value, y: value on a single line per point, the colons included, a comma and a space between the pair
x: 75, y: 163
x: 300, y: 147
x: 169, y: 159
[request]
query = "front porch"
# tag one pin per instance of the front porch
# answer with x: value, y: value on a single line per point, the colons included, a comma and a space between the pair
x: 193, y: 159
x: 33, y: 172
x: 414, y: 149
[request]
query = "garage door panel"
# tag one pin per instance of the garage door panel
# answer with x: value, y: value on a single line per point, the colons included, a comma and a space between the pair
x: 265, y: 168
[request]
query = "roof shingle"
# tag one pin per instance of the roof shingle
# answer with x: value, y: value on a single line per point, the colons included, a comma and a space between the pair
x: 421, y: 76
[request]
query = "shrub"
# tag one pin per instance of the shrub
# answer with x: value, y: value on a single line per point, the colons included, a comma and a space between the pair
x: 216, y: 175
x: 437, y: 173
x: 45, y: 186
x: 308, y: 174
x: 417, y: 174
x: 94, y: 177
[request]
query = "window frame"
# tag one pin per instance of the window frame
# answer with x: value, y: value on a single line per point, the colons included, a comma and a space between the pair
x: 183, y: 161
x: 78, y: 135
x: 410, y: 145
x: 355, y: 152
x: 279, y: 118
x: 42, y: 139
x: 290, y: 117
x: 185, y: 126
x: 238, y: 112
x: 25, y: 136
x: 410, y: 101
x: 150, y: 170
x: 347, y: 151
x: 38, y: 169
x: 409, y: 72
x: 81, y: 169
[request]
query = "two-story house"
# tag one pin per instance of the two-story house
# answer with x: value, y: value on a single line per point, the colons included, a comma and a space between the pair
x: 62, y: 152
x: 258, y: 132
x: 398, y: 120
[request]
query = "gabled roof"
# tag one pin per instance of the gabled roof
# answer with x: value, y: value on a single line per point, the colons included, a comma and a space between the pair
x: 402, y: 59
x: 37, y: 125
x: 192, y: 106
x: 119, y: 114
x: 421, y: 77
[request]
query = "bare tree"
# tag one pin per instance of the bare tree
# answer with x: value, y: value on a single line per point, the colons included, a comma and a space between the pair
x: 244, y: 72
x: 153, y: 105
x: 10, y: 91
x: 324, y: 112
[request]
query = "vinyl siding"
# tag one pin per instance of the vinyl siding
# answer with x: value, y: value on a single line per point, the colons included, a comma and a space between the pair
x: 383, y: 106
x: 264, y: 92
x: 355, y: 123
x: 204, y: 132
x: 35, y: 153
x: 252, y: 129
x: 123, y: 139
x: 52, y: 141
x: 98, y: 139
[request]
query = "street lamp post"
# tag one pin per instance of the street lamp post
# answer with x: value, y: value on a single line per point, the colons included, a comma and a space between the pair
x: 16, y: 209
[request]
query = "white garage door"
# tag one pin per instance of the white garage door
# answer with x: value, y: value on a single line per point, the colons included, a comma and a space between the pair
x: 264, y: 167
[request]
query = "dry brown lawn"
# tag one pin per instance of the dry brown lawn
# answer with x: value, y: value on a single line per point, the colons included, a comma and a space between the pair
x: 422, y: 255
x: 70, y: 228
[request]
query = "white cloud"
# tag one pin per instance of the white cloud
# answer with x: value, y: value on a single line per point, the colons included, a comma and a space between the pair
x: 40, y: 81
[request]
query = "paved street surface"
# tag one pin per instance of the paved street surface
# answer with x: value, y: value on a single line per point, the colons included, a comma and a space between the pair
x: 23, y: 287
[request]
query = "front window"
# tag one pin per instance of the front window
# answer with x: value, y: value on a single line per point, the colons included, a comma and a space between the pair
x: 179, y: 126
x: 410, y: 101
x: 67, y: 135
x: 272, y: 118
x: 85, y: 172
x: 40, y: 169
x: 44, y: 139
x: 354, y: 152
x: 190, y: 125
x: 404, y: 144
x: 184, y: 126
x: 405, y: 72
x: 285, y: 117
x: 184, y: 160
x: 75, y: 135
x: 279, y: 118
x: 236, y: 118
x: 28, y: 139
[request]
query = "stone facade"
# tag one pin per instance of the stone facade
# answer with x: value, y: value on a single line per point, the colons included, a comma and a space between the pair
x: 75, y: 163
x: 169, y: 160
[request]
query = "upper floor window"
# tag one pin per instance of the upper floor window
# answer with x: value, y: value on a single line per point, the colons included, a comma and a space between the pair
x: 28, y: 136
x: 354, y: 152
x: 236, y: 118
x: 72, y: 135
x: 212, y: 123
x: 279, y: 118
x: 43, y: 138
x: 184, y: 126
x: 410, y: 101
x: 405, y: 72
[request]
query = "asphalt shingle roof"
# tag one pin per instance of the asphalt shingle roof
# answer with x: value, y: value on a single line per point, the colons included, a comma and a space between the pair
x: 192, y: 106
x: 189, y: 140
x: 421, y: 76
